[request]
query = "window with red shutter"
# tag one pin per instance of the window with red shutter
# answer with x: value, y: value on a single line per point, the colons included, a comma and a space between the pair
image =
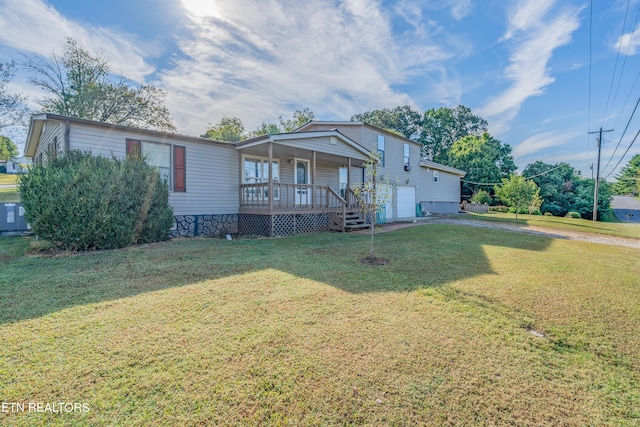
x: 134, y: 147
x: 179, y: 169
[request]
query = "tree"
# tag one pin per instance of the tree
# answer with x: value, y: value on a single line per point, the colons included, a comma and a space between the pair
x: 300, y: 117
x: 443, y: 127
x: 227, y: 129
x: 12, y: 108
x: 628, y: 181
x: 373, y: 195
x: 8, y: 149
x: 556, y: 183
x: 582, y: 201
x: 518, y: 192
x: 485, y: 159
x: 80, y: 84
x: 401, y: 120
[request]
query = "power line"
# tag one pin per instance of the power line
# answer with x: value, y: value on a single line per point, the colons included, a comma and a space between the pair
x: 622, y: 136
x: 625, y: 153
x: 615, y: 67
x: 624, y: 63
x: 527, y: 177
x: 590, y: 63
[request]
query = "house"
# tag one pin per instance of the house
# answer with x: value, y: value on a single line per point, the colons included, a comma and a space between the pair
x: 273, y: 185
x: 17, y: 165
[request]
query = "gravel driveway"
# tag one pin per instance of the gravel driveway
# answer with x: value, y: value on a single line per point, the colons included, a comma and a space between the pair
x: 527, y: 229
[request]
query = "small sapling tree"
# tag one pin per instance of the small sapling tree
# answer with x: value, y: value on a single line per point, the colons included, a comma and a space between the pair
x: 518, y: 192
x: 373, y: 195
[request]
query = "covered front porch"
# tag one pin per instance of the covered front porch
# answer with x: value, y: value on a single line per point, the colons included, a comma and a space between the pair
x: 298, y: 183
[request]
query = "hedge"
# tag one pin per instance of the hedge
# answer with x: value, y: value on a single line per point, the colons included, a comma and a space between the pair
x: 79, y: 201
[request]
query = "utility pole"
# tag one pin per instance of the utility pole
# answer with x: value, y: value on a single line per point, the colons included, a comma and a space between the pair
x: 597, y: 183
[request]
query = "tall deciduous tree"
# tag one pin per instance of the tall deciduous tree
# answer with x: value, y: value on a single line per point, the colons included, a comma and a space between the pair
x: 401, y: 120
x: 443, y: 127
x: 8, y: 149
x: 227, y: 129
x: 12, y: 108
x: 485, y: 159
x: 80, y: 84
x: 518, y: 192
x: 300, y: 117
x: 628, y: 181
x: 556, y: 183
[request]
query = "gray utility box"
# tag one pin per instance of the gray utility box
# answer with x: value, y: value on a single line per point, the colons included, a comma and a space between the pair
x: 12, y: 218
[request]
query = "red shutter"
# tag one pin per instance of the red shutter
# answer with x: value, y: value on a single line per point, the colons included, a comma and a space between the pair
x: 134, y: 147
x: 179, y: 169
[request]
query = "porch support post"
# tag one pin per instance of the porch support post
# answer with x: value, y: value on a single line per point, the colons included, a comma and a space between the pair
x: 240, y: 172
x: 313, y: 179
x: 270, y: 182
x: 346, y: 193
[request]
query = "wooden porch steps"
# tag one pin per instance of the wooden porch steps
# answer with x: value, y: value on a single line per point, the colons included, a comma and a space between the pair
x: 353, y: 220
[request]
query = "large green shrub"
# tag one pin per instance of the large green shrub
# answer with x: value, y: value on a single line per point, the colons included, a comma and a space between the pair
x: 80, y: 201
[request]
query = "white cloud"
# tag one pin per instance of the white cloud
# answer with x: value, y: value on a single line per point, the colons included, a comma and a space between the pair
x: 540, y: 141
x: 34, y: 26
x: 535, y: 31
x: 337, y: 57
x: 628, y: 43
x: 461, y: 9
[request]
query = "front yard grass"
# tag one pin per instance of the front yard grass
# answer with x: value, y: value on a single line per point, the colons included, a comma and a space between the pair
x: 297, y: 331
x: 8, y: 178
x: 9, y: 195
x: 617, y: 229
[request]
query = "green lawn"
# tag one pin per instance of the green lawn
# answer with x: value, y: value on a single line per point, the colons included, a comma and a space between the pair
x: 618, y: 229
x: 295, y: 331
x: 8, y: 178
x: 9, y: 195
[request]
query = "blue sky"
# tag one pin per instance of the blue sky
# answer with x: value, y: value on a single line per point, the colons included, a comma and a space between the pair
x: 522, y: 65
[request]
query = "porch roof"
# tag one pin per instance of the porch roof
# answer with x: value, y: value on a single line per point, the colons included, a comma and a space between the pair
x: 330, y: 146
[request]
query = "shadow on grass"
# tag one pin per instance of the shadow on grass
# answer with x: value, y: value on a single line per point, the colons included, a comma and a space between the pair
x: 420, y: 257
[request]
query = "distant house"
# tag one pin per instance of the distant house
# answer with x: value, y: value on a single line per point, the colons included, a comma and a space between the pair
x: 271, y: 185
x: 16, y: 165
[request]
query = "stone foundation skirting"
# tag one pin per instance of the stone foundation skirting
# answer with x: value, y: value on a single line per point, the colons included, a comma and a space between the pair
x: 205, y: 225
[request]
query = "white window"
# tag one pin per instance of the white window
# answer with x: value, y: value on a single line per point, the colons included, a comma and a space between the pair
x: 158, y: 155
x: 343, y: 184
x: 381, y: 148
x: 256, y: 171
x: 435, y: 176
x: 406, y: 154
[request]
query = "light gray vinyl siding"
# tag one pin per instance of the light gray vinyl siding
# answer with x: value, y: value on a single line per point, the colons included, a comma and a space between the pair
x: 353, y: 132
x: 447, y: 189
x: 52, y: 129
x: 212, y: 171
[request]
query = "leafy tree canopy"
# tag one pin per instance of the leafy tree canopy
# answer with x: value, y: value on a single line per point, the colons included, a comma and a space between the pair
x: 8, y: 149
x: 518, y: 192
x: 80, y: 84
x: 12, y: 108
x: 232, y: 129
x: 628, y: 181
x: 556, y: 183
x: 401, y: 120
x: 484, y: 158
x: 443, y: 127
x: 227, y: 129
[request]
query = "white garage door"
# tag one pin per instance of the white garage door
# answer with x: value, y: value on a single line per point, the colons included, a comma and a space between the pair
x: 406, y: 202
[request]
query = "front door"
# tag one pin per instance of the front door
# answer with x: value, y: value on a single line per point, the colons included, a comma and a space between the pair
x: 301, y: 179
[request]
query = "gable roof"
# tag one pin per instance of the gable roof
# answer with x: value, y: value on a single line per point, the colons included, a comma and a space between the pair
x: 433, y: 165
x: 302, y: 135
x: 350, y: 123
x: 36, y: 126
